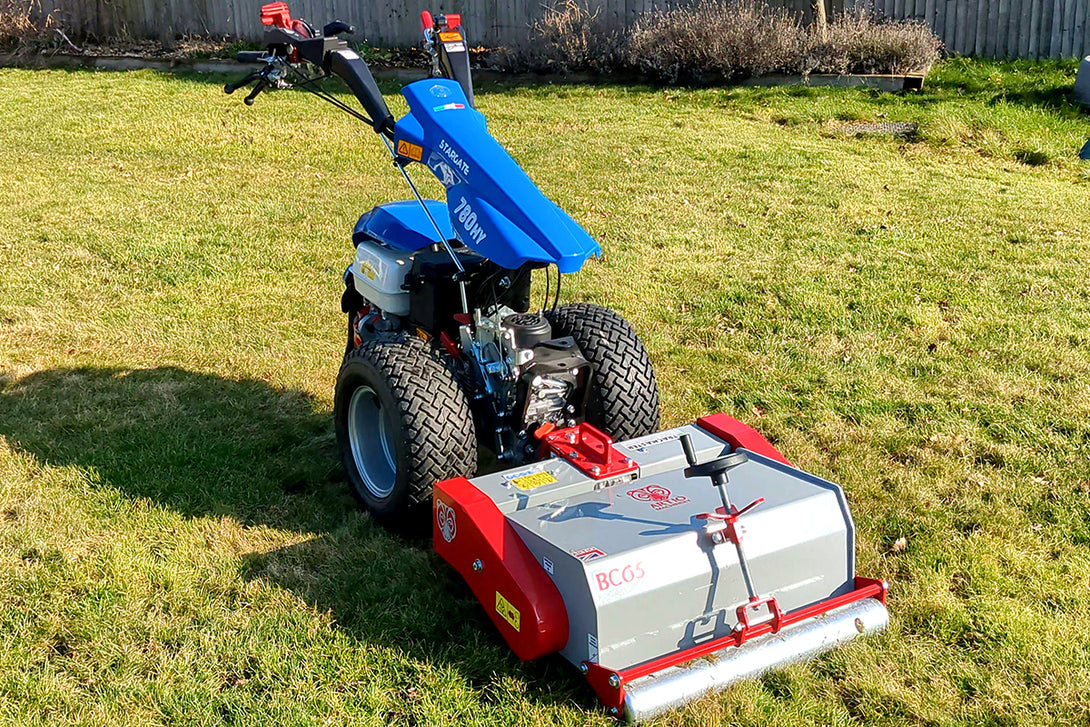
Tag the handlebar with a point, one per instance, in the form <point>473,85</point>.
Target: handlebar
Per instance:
<point>291,41</point>
<point>251,56</point>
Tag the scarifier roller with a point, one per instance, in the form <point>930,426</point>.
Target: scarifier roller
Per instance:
<point>663,567</point>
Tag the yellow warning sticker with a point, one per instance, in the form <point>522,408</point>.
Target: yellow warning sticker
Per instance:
<point>450,36</point>
<point>412,151</point>
<point>368,269</point>
<point>510,614</point>
<point>529,482</point>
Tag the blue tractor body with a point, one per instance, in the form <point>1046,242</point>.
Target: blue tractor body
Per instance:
<point>492,205</point>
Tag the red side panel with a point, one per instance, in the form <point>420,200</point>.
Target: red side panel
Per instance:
<point>473,536</point>
<point>739,434</point>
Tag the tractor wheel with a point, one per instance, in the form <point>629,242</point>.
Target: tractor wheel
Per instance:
<point>402,424</point>
<point>624,397</point>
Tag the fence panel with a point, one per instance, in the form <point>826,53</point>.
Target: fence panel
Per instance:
<point>995,28</point>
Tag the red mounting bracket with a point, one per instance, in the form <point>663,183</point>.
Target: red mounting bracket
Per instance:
<point>745,626</point>
<point>589,449</point>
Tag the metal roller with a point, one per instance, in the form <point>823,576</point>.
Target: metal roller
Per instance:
<point>654,694</point>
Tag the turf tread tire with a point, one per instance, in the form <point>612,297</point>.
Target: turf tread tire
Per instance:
<point>624,398</point>
<point>435,438</point>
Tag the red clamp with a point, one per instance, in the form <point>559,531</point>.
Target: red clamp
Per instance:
<point>744,629</point>
<point>734,535</point>
<point>589,449</point>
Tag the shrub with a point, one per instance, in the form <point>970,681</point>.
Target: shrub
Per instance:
<point>731,39</point>
<point>568,37</point>
<point>15,21</point>
<point>714,40</point>
<point>860,42</point>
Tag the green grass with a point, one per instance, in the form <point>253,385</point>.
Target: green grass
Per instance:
<point>910,319</point>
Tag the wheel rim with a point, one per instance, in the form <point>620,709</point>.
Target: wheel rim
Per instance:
<point>371,437</point>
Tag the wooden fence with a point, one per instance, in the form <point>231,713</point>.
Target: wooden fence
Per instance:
<point>994,28</point>
<point>1002,28</point>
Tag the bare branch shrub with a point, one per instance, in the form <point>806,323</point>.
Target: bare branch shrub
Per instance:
<point>716,40</point>
<point>858,41</point>
<point>732,39</point>
<point>16,21</point>
<point>568,37</point>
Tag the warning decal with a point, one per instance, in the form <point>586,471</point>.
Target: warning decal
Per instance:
<point>412,151</point>
<point>529,482</point>
<point>510,614</point>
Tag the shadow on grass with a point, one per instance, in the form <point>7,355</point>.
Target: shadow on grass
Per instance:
<point>206,446</point>
<point>381,592</point>
<point>195,443</point>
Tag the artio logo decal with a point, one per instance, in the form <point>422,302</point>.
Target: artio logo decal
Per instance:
<point>658,497</point>
<point>619,576</point>
<point>444,518</point>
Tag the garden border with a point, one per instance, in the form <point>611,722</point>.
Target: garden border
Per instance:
<point>892,82</point>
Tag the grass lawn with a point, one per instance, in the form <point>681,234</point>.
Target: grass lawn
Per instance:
<point>910,319</point>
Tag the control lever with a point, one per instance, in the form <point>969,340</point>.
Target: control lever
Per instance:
<point>717,470</point>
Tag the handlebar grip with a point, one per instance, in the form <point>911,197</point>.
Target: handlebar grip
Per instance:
<point>258,88</point>
<point>232,87</point>
<point>426,20</point>
<point>250,56</point>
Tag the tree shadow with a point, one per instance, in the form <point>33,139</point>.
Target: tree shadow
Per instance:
<point>195,443</point>
<point>380,592</point>
<point>205,446</point>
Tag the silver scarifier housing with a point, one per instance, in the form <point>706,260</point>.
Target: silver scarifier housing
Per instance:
<point>643,576</point>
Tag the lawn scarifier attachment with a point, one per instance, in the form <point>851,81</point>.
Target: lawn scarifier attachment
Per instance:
<point>635,563</point>
<point>632,560</point>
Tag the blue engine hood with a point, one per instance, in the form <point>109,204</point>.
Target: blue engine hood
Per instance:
<point>495,209</point>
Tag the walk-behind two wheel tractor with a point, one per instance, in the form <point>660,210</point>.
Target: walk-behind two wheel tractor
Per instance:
<point>663,565</point>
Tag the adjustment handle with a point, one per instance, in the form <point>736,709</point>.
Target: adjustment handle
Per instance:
<point>687,445</point>
<point>717,468</point>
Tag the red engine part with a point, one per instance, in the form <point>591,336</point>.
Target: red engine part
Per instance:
<point>472,535</point>
<point>276,14</point>
<point>589,449</point>
<point>450,21</point>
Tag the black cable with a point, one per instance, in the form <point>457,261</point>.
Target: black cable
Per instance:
<point>546,303</point>
<point>305,85</point>
<point>556,300</point>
